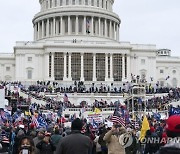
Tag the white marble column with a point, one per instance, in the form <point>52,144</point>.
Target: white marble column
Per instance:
<point>54,26</point>
<point>58,2</point>
<point>118,33</point>
<point>105,29</point>
<point>94,67</point>
<point>35,32</point>
<point>106,67</point>
<point>61,25</point>
<point>38,30</point>
<point>77,25</point>
<point>82,66</point>
<point>100,3</point>
<point>110,29</point>
<point>92,25</point>
<point>47,28</point>
<point>69,25</point>
<point>42,29</point>
<point>128,68</point>
<point>111,67</point>
<point>123,67</point>
<point>84,31</point>
<point>52,66</point>
<point>114,30</point>
<point>65,67</point>
<point>46,66</point>
<point>53,3</point>
<point>69,67</point>
<point>99,20</point>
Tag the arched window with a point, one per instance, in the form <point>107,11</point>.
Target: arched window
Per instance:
<point>73,2</point>
<point>97,3</point>
<point>73,24</point>
<point>55,3</point>
<point>67,2</point>
<point>92,2</point>
<point>29,73</point>
<point>50,3</point>
<point>60,2</point>
<point>86,2</point>
<point>174,82</point>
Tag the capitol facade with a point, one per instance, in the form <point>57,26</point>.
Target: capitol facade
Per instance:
<point>78,40</point>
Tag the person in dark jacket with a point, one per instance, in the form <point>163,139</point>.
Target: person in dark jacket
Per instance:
<point>56,137</point>
<point>46,146</point>
<point>39,138</point>
<point>75,143</point>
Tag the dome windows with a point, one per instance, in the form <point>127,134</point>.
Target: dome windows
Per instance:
<point>164,52</point>
<point>92,2</point>
<point>174,71</point>
<point>49,4</point>
<point>73,2</point>
<point>97,3</point>
<point>86,2</point>
<point>67,2</point>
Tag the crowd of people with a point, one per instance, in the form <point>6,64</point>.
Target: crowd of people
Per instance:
<point>83,138</point>
<point>34,134</point>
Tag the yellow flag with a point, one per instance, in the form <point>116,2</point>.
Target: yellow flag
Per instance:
<point>144,128</point>
<point>97,111</point>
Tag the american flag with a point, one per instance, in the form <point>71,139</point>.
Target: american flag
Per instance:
<point>87,26</point>
<point>35,122</point>
<point>119,120</point>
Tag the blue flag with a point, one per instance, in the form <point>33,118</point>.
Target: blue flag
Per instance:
<point>42,122</point>
<point>157,116</point>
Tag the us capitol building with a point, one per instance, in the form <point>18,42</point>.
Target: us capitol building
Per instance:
<point>79,40</point>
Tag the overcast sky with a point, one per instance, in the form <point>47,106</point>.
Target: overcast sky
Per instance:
<point>142,22</point>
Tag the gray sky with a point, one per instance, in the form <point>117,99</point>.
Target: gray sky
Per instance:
<point>142,22</point>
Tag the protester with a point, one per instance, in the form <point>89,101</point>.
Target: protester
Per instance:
<point>46,146</point>
<point>56,137</point>
<point>26,144</point>
<point>112,140</point>
<point>97,145</point>
<point>132,149</point>
<point>75,143</point>
<point>34,122</point>
<point>39,138</point>
<point>102,132</point>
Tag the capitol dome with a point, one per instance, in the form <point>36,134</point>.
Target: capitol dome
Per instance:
<point>59,19</point>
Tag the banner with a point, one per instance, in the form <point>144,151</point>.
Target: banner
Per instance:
<point>96,117</point>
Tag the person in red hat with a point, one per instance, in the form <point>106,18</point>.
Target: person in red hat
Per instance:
<point>173,133</point>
